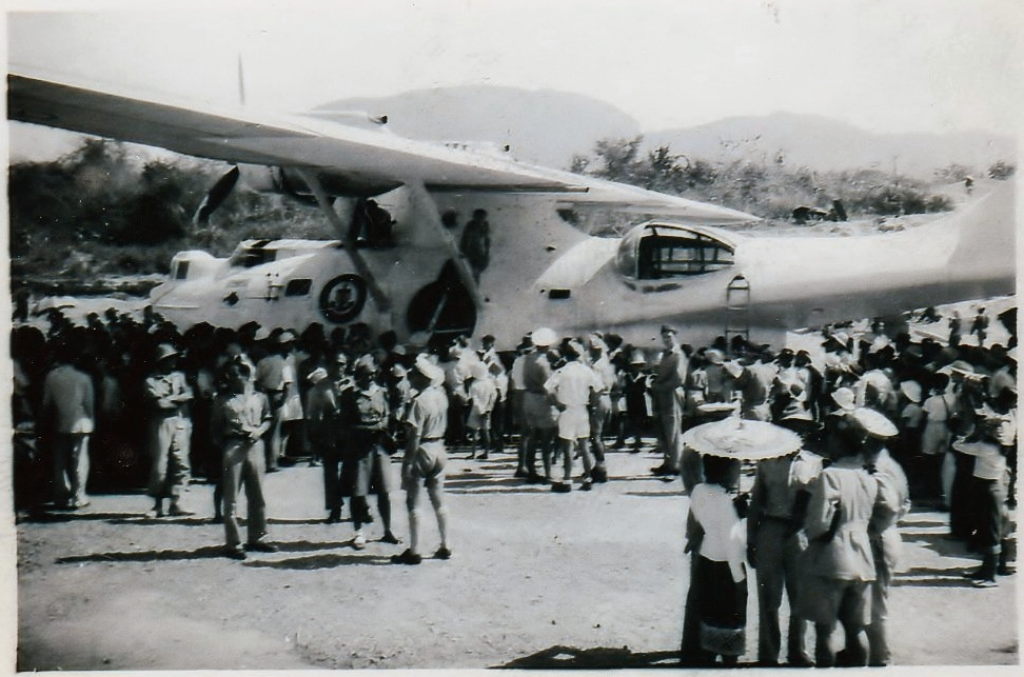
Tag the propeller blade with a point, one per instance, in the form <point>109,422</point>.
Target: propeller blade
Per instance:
<point>217,194</point>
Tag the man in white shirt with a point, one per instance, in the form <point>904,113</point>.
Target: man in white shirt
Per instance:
<point>571,389</point>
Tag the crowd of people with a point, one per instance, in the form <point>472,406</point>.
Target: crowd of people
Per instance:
<point>885,423</point>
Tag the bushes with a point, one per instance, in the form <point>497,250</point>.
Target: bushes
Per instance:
<point>764,188</point>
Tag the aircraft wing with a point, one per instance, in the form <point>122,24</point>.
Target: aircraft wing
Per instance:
<point>240,135</point>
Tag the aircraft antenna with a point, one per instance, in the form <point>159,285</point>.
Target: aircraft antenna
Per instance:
<point>241,81</point>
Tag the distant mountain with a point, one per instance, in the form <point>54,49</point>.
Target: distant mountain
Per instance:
<point>824,144</point>
<point>544,126</point>
<point>548,127</point>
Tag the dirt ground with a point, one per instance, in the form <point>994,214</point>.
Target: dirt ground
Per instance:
<point>539,580</point>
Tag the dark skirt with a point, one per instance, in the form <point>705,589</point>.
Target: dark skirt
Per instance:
<point>716,613</point>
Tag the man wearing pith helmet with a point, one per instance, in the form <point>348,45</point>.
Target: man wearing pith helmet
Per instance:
<point>167,394</point>
<point>423,465</point>
<point>539,415</point>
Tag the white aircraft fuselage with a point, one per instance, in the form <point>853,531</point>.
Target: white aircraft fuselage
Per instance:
<point>705,281</point>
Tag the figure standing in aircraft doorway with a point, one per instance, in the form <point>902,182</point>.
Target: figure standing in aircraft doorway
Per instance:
<point>475,244</point>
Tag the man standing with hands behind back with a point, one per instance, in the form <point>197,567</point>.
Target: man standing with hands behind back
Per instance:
<point>666,387</point>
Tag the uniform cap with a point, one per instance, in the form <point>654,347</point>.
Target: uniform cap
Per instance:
<point>425,366</point>
<point>715,356</point>
<point>317,375</point>
<point>544,337</point>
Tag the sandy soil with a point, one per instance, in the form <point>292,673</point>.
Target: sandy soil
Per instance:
<point>539,580</point>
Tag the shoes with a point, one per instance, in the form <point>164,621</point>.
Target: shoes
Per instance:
<point>985,583</point>
<point>359,542</point>
<point>586,485</point>
<point>334,516</point>
<point>443,553</point>
<point>561,487</point>
<point>483,456</point>
<point>799,662</point>
<point>261,546</point>
<point>177,511</point>
<point>1006,571</point>
<point>661,470</point>
<point>217,519</point>
<point>314,463</point>
<point>78,505</point>
<point>974,575</point>
<point>154,513</point>
<point>471,456</point>
<point>391,538</point>
<point>599,475</point>
<point>407,557</point>
<point>534,478</point>
<point>235,552</point>
<point>521,473</point>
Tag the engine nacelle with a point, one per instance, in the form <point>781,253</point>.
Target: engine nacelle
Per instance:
<point>288,181</point>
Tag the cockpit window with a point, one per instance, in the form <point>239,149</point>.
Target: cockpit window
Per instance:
<point>256,255</point>
<point>661,251</point>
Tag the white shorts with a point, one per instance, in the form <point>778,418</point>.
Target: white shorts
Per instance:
<point>574,423</point>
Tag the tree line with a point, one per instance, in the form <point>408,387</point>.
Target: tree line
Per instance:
<point>121,214</point>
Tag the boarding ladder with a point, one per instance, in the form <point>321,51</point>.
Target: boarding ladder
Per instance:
<point>737,307</point>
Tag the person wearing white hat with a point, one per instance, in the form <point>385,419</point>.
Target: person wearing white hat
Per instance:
<point>838,563</point>
<point>424,462</point>
<point>539,415</point>
<point>571,388</point>
<point>322,408</point>
<point>891,506</point>
<point>167,395</point>
<point>483,394</point>
<point>276,378</point>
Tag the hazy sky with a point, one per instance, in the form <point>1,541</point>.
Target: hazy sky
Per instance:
<point>883,65</point>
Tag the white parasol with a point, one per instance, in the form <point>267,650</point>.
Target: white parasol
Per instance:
<point>743,440</point>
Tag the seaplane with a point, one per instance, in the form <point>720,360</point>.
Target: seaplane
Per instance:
<point>400,207</point>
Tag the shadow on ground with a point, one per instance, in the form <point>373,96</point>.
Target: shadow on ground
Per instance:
<point>602,658</point>
<point>933,578</point>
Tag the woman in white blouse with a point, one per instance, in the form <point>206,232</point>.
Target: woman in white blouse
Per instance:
<point>716,605</point>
